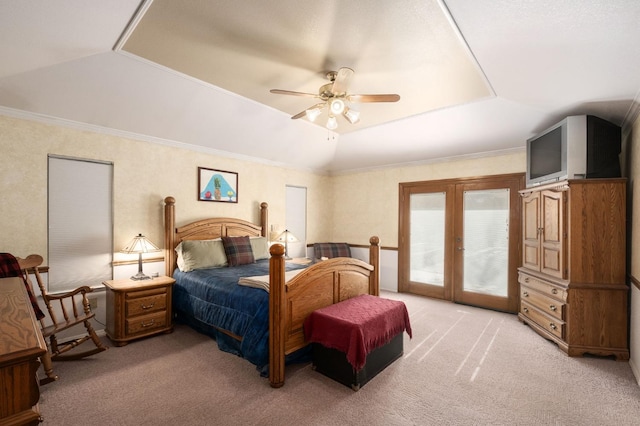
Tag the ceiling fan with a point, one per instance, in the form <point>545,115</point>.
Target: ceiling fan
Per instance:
<point>335,98</point>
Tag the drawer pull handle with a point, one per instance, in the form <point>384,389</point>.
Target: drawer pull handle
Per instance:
<point>526,280</point>
<point>554,291</point>
<point>553,326</point>
<point>149,324</point>
<point>148,306</point>
<point>552,307</point>
<point>525,294</point>
<point>525,310</point>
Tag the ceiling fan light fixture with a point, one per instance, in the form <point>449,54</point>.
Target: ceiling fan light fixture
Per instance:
<point>352,115</point>
<point>337,106</point>
<point>332,123</point>
<point>313,113</point>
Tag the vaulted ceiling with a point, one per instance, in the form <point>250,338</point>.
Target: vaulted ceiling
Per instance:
<point>474,76</point>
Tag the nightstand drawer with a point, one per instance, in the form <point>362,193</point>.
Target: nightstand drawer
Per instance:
<point>146,324</point>
<point>145,305</point>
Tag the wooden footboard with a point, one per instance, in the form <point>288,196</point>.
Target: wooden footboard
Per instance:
<point>320,285</point>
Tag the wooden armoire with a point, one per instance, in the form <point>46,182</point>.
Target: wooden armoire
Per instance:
<point>572,280</point>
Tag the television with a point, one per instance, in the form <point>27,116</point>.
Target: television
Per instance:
<point>578,147</point>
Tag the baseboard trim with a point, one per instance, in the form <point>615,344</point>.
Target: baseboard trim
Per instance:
<point>635,371</point>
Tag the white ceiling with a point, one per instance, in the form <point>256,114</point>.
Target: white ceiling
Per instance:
<point>474,76</point>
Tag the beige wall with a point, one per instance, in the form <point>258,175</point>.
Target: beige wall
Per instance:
<point>367,203</point>
<point>144,174</point>
<point>633,172</point>
<point>349,207</point>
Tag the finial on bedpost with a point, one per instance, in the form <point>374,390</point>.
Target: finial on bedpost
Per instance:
<point>264,219</point>
<point>374,260</point>
<point>276,315</point>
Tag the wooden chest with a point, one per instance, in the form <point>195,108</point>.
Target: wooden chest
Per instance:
<point>333,363</point>
<point>354,340</point>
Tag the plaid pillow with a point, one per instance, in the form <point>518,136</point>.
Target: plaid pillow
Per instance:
<point>238,250</point>
<point>330,250</point>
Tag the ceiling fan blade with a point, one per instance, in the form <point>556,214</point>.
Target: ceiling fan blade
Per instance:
<point>374,98</point>
<point>289,92</point>
<point>342,81</point>
<point>303,113</point>
<point>299,115</point>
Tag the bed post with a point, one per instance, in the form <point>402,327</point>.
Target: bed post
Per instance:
<point>169,235</point>
<point>277,315</point>
<point>374,260</point>
<point>264,218</point>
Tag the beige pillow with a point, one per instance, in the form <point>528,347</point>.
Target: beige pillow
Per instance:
<point>260,247</point>
<point>200,254</point>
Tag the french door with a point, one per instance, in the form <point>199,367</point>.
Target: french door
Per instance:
<point>459,240</point>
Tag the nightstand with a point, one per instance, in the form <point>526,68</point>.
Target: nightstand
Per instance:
<point>137,309</point>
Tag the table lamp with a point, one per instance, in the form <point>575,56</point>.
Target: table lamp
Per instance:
<point>139,245</point>
<point>287,237</point>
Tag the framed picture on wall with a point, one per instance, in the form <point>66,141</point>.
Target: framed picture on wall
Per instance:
<point>217,185</point>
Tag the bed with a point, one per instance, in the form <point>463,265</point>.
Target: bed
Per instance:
<point>270,328</point>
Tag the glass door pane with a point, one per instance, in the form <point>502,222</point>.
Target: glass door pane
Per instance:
<point>427,233</point>
<point>486,241</point>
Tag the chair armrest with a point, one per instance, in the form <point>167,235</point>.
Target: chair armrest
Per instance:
<point>84,290</point>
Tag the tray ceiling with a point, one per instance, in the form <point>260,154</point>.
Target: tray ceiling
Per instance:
<point>475,77</point>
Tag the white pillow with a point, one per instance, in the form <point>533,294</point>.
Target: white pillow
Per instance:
<point>200,254</point>
<point>260,247</point>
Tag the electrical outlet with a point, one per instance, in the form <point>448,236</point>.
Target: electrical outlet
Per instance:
<point>93,302</point>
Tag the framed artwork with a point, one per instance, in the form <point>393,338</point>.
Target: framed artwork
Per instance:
<point>217,185</point>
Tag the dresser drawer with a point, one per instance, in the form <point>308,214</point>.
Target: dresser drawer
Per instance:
<point>542,286</point>
<point>551,306</point>
<point>146,324</point>
<point>552,325</point>
<point>141,303</point>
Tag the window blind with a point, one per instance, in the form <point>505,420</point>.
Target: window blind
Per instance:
<point>80,225</point>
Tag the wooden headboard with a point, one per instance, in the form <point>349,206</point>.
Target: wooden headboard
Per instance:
<point>206,229</point>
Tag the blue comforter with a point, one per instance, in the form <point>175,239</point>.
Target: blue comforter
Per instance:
<point>211,300</point>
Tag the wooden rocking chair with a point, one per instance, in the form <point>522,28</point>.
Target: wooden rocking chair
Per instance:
<point>67,304</point>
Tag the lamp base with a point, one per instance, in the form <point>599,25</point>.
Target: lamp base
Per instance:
<point>140,276</point>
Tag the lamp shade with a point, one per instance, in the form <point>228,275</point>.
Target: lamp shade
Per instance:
<point>287,237</point>
<point>139,244</point>
<point>336,106</point>
<point>313,113</point>
<point>352,115</point>
<point>332,123</point>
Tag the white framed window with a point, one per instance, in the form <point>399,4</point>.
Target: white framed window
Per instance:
<point>80,228</point>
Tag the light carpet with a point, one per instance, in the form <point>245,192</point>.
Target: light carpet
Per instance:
<point>464,366</point>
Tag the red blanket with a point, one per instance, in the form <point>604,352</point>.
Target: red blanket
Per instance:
<point>357,326</point>
<point>9,267</point>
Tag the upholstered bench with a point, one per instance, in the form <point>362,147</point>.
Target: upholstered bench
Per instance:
<point>354,340</point>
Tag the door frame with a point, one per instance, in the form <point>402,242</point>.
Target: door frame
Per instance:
<point>452,223</point>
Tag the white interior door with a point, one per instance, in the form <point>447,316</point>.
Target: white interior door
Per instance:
<point>296,217</point>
